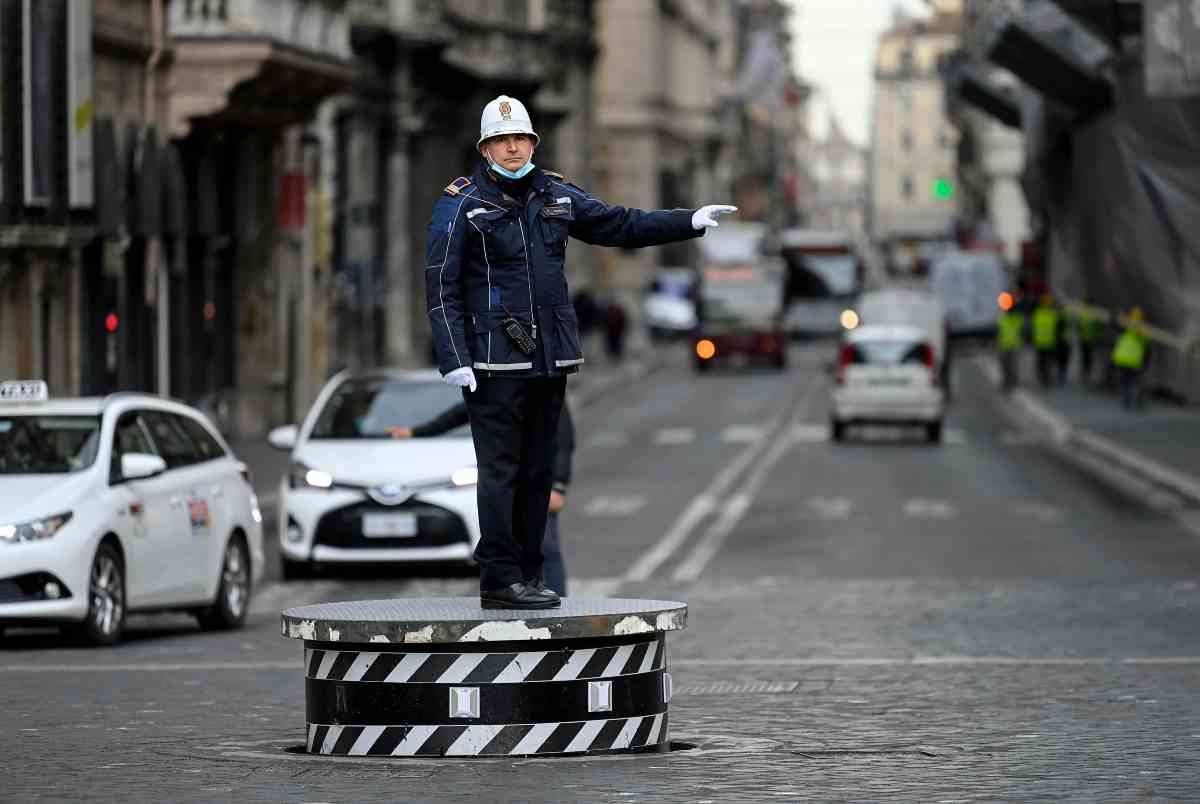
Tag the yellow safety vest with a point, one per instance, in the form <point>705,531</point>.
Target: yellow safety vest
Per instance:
<point>1009,331</point>
<point>1087,329</point>
<point>1045,328</point>
<point>1130,350</point>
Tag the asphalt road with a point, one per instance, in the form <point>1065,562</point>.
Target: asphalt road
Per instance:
<point>882,619</point>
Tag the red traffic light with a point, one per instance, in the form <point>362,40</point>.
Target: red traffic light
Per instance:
<point>111,322</point>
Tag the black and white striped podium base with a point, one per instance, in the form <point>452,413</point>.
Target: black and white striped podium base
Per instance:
<point>444,677</point>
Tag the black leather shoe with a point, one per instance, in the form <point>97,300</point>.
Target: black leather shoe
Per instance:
<point>538,585</point>
<point>517,596</point>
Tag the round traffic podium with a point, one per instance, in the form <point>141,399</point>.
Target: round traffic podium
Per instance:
<point>445,677</point>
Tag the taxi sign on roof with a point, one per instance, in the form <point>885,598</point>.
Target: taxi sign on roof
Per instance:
<point>24,391</point>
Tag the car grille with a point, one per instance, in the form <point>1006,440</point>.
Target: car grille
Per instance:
<point>436,527</point>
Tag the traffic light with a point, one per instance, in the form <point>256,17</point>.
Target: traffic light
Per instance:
<point>943,189</point>
<point>111,322</point>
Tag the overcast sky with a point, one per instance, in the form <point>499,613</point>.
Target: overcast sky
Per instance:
<point>834,47</point>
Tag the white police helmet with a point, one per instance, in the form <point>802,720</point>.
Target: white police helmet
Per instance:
<point>505,115</point>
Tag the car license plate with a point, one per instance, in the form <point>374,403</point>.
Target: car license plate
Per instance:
<point>890,382</point>
<point>384,526</point>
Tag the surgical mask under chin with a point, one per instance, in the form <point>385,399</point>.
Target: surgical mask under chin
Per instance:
<point>512,174</point>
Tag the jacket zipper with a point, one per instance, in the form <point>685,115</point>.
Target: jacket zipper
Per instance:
<point>528,271</point>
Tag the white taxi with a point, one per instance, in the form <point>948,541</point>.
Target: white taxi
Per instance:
<point>120,504</point>
<point>887,375</point>
<point>357,494</point>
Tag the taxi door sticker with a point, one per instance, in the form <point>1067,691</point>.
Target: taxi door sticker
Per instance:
<point>198,513</point>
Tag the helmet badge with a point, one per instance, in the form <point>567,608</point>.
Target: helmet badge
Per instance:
<point>506,110</point>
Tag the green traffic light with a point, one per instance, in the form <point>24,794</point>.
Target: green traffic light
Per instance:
<point>943,189</point>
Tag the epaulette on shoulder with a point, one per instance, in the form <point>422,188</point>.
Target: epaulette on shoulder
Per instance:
<point>458,185</point>
<point>556,175</point>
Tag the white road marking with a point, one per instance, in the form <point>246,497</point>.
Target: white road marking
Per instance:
<point>616,506</point>
<point>741,434</point>
<point>674,436</point>
<point>810,433</point>
<point>826,508</point>
<point>595,587</point>
<point>736,506</point>
<point>910,661</point>
<point>1038,510</point>
<point>928,509</point>
<point>608,440</point>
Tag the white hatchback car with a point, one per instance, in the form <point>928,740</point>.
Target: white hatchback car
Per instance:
<point>356,494</point>
<point>129,502</point>
<point>889,375</point>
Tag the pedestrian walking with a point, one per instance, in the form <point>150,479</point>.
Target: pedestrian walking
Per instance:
<point>1045,339</point>
<point>616,322</point>
<point>1010,339</point>
<point>1129,357</point>
<point>554,566</point>
<point>1087,333</point>
<point>506,333</point>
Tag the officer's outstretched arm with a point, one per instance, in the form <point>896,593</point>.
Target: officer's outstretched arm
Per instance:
<point>443,286</point>
<point>608,225</point>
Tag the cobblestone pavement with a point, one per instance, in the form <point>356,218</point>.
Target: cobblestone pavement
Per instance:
<point>885,621</point>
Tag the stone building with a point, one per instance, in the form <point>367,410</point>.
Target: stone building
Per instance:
<point>837,181</point>
<point>913,143</point>
<point>152,226</point>
<point>665,106</point>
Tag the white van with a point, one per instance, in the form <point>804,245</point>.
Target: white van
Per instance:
<point>969,285</point>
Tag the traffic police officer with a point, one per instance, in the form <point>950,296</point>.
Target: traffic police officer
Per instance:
<point>504,329</point>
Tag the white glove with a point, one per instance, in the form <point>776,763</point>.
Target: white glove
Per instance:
<point>461,378</point>
<point>707,216</point>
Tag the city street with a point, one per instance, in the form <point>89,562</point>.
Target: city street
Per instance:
<point>882,619</point>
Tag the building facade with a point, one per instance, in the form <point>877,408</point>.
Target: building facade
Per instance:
<point>152,230</point>
<point>665,84</point>
<point>837,181</point>
<point>913,143</point>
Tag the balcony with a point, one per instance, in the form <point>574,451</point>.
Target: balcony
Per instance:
<point>255,62</point>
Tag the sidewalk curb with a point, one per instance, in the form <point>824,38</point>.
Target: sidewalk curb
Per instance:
<point>1077,439</point>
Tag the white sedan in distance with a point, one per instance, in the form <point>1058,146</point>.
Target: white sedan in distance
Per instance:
<point>358,494</point>
<point>120,504</point>
<point>887,375</point>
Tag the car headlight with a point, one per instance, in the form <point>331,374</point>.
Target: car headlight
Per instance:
<point>34,530</point>
<point>467,476</point>
<point>304,477</point>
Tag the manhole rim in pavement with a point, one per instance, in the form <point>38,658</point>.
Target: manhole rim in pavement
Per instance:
<point>684,744</point>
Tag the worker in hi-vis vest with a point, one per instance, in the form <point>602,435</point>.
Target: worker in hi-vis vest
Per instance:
<point>1045,339</point>
<point>1129,356</point>
<point>1010,338</point>
<point>1087,333</point>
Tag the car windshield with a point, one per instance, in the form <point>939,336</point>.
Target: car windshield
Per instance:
<point>33,445</point>
<point>368,406</point>
<point>885,353</point>
<point>838,273</point>
<point>740,292</point>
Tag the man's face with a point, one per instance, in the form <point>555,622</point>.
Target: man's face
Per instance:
<point>509,151</point>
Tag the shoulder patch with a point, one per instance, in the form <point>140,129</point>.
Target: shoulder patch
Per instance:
<point>458,185</point>
<point>555,174</point>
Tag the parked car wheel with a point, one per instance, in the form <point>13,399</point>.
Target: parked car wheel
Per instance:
<point>837,430</point>
<point>933,432</point>
<point>105,622</point>
<point>232,602</point>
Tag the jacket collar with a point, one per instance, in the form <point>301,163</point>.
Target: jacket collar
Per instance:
<point>489,189</point>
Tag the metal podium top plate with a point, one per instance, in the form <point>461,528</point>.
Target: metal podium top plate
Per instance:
<point>461,619</point>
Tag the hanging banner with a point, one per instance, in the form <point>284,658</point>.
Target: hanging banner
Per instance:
<point>81,186</point>
<point>37,84</point>
<point>1171,33</point>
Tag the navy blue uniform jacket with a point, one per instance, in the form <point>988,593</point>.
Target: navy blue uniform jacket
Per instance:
<point>488,253</point>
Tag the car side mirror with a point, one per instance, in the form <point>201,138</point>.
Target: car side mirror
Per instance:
<point>283,438</point>
<point>139,465</point>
